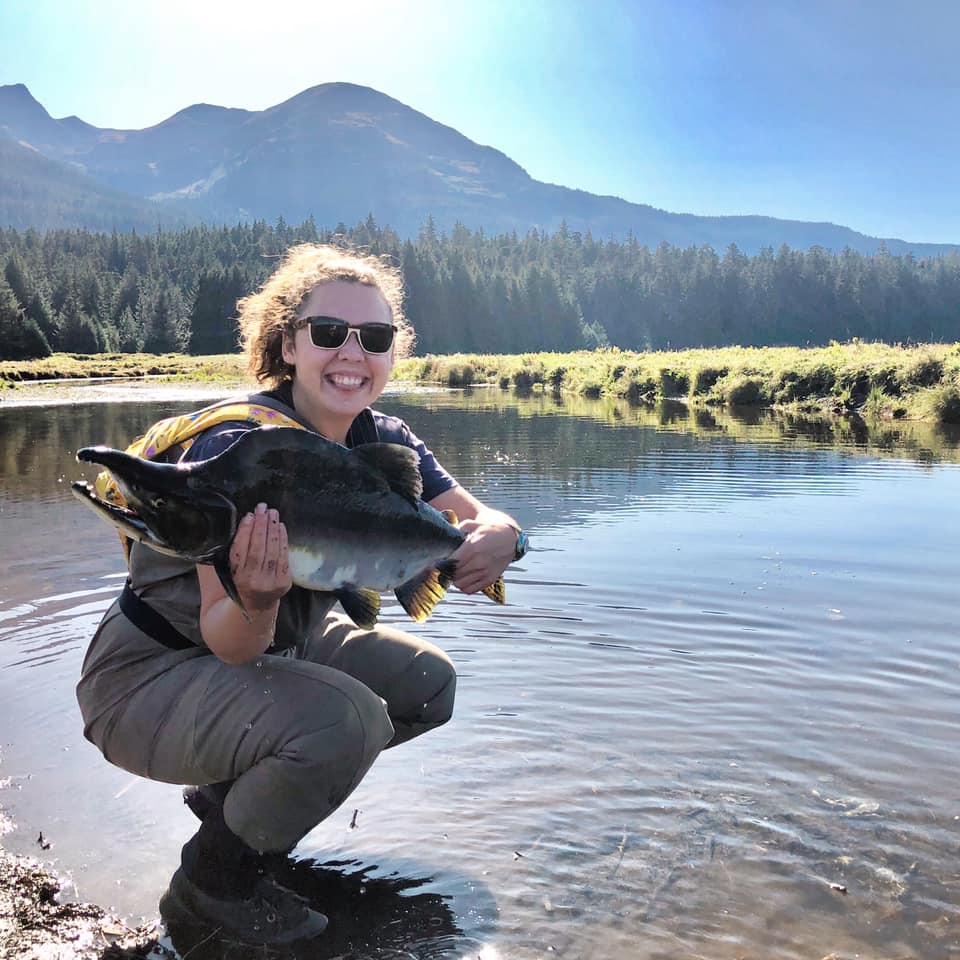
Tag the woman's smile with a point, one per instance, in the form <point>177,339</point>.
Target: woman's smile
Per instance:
<point>345,381</point>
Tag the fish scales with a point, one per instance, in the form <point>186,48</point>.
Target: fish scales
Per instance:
<point>355,520</point>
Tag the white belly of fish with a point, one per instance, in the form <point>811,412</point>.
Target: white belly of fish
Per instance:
<point>329,570</point>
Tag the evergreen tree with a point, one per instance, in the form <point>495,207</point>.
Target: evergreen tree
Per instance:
<point>78,332</point>
<point>17,280</point>
<point>130,333</point>
<point>20,337</point>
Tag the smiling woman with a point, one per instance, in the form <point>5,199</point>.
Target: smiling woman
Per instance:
<point>277,710</point>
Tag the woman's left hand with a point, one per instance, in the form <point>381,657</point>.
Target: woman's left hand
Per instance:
<point>488,550</point>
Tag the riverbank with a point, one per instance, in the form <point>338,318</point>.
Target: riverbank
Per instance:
<point>872,380</point>
<point>35,925</point>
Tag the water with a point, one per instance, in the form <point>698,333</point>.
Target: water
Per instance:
<point>718,718</point>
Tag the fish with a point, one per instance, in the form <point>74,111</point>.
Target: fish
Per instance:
<point>356,524</point>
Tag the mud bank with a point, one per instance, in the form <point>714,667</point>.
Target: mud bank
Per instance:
<point>35,925</point>
<point>66,392</point>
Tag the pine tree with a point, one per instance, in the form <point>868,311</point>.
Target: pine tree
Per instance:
<point>20,337</point>
<point>78,332</point>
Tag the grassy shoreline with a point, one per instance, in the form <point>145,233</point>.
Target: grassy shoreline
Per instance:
<point>866,379</point>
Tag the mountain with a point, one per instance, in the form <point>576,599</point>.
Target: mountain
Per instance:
<point>337,152</point>
<point>36,191</point>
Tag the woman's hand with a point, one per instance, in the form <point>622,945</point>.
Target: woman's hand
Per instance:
<point>488,550</point>
<point>259,560</point>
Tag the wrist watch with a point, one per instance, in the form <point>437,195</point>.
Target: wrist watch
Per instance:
<point>523,543</point>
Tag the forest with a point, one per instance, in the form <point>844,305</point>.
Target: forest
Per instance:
<point>83,292</point>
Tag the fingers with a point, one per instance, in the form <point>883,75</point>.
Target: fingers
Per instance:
<point>260,544</point>
<point>483,556</point>
<point>474,571</point>
<point>283,556</point>
<point>241,544</point>
<point>256,554</point>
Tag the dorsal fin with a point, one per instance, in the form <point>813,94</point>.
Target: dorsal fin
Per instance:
<point>399,466</point>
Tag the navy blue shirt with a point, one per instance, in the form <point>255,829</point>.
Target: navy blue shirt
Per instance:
<point>371,426</point>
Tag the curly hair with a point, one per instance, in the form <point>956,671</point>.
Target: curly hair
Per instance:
<point>272,311</point>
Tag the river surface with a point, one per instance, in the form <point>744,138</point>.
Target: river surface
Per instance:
<point>717,719</point>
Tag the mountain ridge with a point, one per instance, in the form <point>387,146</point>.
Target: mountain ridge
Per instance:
<point>337,152</point>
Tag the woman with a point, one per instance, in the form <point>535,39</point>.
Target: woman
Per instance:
<point>295,703</point>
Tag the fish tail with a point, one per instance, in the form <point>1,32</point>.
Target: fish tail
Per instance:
<point>497,591</point>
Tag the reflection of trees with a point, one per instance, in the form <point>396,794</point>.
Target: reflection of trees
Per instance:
<point>38,445</point>
<point>492,434</point>
<point>905,439</point>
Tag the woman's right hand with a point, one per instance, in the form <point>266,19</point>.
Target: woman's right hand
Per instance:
<point>259,560</point>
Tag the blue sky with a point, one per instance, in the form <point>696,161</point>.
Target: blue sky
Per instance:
<point>839,111</point>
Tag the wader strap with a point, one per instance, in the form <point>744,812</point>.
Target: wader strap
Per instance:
<point>153,624</point>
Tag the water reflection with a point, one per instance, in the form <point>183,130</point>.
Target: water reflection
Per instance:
<point>370,914</point>
<point>548,433</point>
<point>725,688</point>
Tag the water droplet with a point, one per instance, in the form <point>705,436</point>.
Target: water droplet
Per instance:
<point>259,663</point>
<point>267,676</point>
<point>267,690</point>
<point>249,726</point>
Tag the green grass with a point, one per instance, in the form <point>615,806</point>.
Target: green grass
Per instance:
<point>870,380</point>
<point>70,366</point>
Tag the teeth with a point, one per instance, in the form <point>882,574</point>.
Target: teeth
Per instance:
<point>342,380</point>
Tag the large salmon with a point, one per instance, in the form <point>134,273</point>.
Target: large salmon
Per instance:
<point>355,522</point>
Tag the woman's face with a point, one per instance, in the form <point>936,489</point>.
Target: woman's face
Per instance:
<point>341,382</point>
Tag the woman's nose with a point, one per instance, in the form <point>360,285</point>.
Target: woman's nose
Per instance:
<point>351,346</point>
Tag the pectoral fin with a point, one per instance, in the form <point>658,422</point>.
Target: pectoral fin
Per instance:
<point>221,563</point>
<point>362,606</point>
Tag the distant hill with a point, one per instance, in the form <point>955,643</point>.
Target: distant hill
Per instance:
<point>337,152</point>
<point>36,191</point>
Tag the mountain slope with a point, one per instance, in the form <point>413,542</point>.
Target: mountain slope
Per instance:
<point>340,151</point>
<point>38,192</point>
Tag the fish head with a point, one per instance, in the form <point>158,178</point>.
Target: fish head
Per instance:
<point>168,507</point>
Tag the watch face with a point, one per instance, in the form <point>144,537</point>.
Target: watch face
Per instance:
<point>522,544</point>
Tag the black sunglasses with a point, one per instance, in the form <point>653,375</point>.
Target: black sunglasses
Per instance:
<point>331,333</point>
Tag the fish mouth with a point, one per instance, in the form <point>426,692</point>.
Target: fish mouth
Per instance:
<point>124,519</point>
<point>167,508</point>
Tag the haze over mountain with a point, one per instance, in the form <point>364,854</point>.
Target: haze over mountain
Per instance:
<point>337,152</point>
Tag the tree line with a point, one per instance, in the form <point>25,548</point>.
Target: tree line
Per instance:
<point>83,292</point>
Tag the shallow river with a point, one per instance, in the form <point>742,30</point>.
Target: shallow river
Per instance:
<point>719,717</point>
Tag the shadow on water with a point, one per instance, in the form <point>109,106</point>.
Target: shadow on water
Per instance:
<point>371,916</point>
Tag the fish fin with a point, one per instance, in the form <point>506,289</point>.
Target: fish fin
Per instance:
<point>497,591</point>
<point>399,466</point>
<point>221,563</point>
<point>447,572</point>
<point>451,517</point>
<point>420,594</point>
<point>362,606</point>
